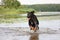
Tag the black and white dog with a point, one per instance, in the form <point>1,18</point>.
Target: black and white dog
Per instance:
<point>32,21</point>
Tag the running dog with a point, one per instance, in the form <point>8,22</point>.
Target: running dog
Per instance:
<point>32,21</point>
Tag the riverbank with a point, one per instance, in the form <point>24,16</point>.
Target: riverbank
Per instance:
<point>11,18</point>
<point>24,19</point>
<point>13,12</point>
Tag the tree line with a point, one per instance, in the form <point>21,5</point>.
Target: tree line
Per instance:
<point>45,7</point>
<point>11,3</point>
<point>37,7</point>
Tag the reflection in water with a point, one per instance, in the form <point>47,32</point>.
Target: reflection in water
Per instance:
<point>34,37</point>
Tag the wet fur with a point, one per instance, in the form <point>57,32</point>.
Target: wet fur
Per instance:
<point>33,20</point>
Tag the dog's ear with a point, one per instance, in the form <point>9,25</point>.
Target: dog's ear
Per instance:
<point>32,11</point>
<point>27,12</point>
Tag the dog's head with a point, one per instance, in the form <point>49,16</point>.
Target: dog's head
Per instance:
<point>30,14</point>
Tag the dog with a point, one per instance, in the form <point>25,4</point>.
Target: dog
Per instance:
<point>32,21</point>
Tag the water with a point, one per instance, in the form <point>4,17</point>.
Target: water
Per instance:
<point>23,22</point>
<point>42,23</point>
<point>43,13</point>
<point>32,37</point>
<point>19,30</point>
<point>13,34</point>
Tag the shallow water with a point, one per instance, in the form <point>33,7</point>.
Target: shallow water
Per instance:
<point>13,34</point>
<point>42,23</point>
<point>32,37</point>
<point>19,30</point>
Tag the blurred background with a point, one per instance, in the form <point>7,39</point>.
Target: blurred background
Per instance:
<point>14,23</point>
<point>13,12</point>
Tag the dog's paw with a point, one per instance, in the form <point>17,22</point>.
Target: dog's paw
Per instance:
<point>32,31</point>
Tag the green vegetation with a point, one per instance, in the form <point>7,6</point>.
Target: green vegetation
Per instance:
<point>45,7</point>
<point>13,8</point>
<point>13,12</point>
<point>11,3</point>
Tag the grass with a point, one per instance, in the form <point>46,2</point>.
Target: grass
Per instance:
<point>8,15</point>
<point>12,12</point>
